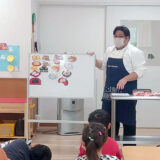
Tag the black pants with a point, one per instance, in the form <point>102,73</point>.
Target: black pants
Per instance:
<point>128,130</point>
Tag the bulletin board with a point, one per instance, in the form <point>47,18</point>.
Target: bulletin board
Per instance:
<point>62,76</point>
<point>11,50</point>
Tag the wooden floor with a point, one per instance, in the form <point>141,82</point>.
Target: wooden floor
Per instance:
<point>63,147</point>
<point>67,147</point>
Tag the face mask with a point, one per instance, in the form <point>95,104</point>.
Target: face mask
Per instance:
<point>119,42</point>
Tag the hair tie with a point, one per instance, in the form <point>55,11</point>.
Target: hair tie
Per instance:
<point>100,133</point>
<point>91,139</point>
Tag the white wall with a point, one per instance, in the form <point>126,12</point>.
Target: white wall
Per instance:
<point>73,30</point>
<point>15,29</point>
<point>145,110</point>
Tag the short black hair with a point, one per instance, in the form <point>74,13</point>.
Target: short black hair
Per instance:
<point>99,116</point>
<point>124,29</point>
<point>40,152</point>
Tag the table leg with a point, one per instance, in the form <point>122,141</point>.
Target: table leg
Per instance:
<point>113,118</point>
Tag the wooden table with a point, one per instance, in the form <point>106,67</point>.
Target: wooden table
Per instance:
<point>141,153</point>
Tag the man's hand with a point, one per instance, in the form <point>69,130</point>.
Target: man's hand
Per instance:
<point>91,53</point>
<point>121,84</point>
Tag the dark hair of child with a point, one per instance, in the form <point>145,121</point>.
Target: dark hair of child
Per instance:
<point>99,116</point>
<point>41,152</point>
<point>94,136</point>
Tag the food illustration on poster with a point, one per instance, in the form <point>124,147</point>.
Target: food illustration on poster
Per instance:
<point>52,65</point>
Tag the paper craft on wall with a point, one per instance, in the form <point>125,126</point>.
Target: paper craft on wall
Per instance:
<point>9,58</point>
<point>66,76</point>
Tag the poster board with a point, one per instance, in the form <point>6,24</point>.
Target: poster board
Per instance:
<point>62,76</point>
<point>6,61</point>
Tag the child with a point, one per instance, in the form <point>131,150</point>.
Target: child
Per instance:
<point>93,138</point>
<point>110,147</point>
<point>19,150</point>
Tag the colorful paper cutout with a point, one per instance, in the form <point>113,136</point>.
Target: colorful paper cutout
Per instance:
<point>34,68</point>
<point>72,58</point>
<point>36,63</point>
<point>66,73</point>
<point>46,58</point>
<point>43,69</point>
<point>56,61</point>
<point>68,66</point>
<point>45,64</point>
<point>10,68</point>
<point>35,81</point>
<point>53,76</point>
<point>3,46</point>
<point>63,80</point>
<point>35,73</point>
<point>58,57</point>
<point>56,67</point>
<point>10,58</point>
<point>36,58</point>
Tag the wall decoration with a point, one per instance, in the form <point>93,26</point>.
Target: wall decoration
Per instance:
<point>63,80</point>
<point>150,56</point>
<point>9,58</point>
<point>35,81</point>
<point>66,73</point>
<point>3,46</point>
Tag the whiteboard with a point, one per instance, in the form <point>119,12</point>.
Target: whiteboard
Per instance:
<point>62,76</point>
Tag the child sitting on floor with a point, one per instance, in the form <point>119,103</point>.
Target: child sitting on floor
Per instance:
<point>19,150</point>
<point>93,138</point>
<point>110,147</point>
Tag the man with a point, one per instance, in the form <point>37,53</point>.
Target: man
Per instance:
<point>124,64</point>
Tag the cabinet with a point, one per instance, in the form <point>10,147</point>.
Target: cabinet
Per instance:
<point>13,93</point>
<point>19,106</point>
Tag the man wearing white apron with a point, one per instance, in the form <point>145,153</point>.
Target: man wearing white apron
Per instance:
<point>124,64</point>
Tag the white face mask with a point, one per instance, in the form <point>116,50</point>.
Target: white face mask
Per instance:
<point>119,42</point>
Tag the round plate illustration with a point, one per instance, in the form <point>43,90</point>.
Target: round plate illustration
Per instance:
<point>72,58</point>
<point>53,76</point>
<point>58,57</point>
<point>68,66</point>
<point>63,80</point>
<point>56,67</point>
<point>66,73</point>
<point>36,63</point>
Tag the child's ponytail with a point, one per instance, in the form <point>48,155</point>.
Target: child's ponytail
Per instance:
<point>94,136</point>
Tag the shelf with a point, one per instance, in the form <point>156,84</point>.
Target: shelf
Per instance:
<point>13,137</point>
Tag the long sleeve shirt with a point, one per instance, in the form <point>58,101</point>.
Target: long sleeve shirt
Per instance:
<point>133,58</point>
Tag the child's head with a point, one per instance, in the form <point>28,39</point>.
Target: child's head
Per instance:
<point>94,136</point>
<point>100,116</point>
<point>41,152</point>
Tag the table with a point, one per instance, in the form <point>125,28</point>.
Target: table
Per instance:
<point>141,153</point>
<point>120,96</point>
